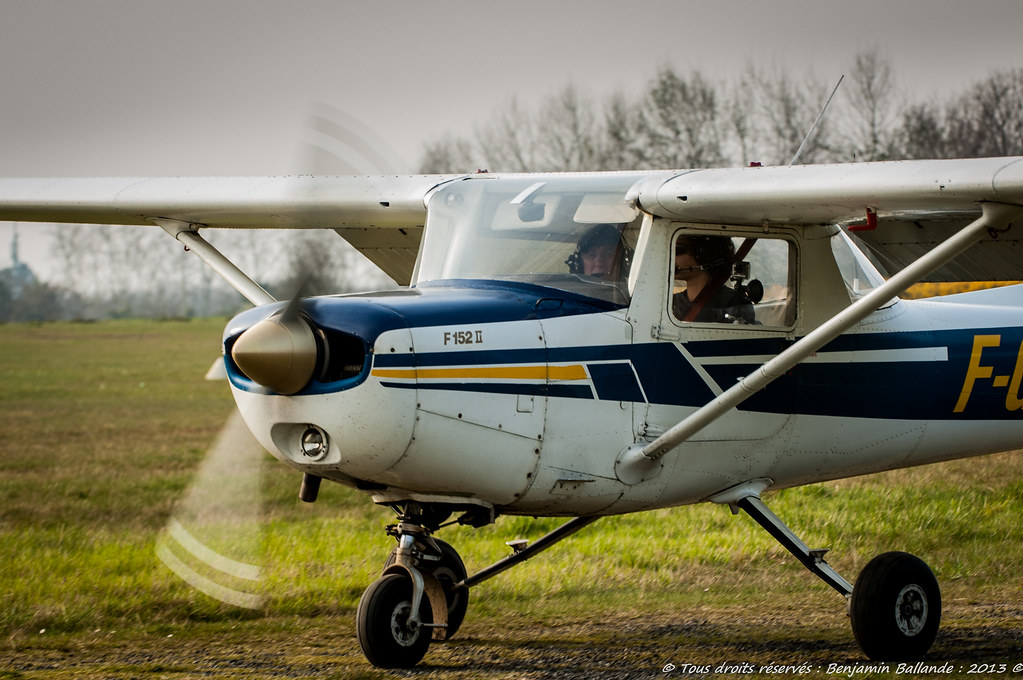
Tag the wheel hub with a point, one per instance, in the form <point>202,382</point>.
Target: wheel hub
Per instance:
<point>400,630</point>
<point>911,610</point>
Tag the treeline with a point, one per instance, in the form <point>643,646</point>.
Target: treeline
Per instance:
<point>35,301</point>
<point>136,272</point>
<point>679,120</point>
<point>684,120</point>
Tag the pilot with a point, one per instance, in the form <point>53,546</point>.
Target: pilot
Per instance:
<point>601,253</point>
<point>704,263</point>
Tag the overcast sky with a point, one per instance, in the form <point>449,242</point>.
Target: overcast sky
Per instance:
<point>224,87</point>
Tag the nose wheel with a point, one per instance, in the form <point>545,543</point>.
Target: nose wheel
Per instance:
<point>446,566</point>
<point>421,596</point>
<point>390,636</point>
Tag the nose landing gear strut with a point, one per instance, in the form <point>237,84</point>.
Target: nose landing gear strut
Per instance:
<point>420,595</point>
<point>423,593</point>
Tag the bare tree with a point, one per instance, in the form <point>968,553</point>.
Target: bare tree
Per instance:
<point>870,133</point>
<point>617,146</point>
<point>988,119</point>
<point>507,140</point>
<point>318,262</point>
<point>129,271</point>
<point>739,110</point>
<point>449,154</point>
<point>790,110</point>
<point>921,134</point>
<point>567,132</point>
<point>685,121</point>
<point>679,124</point>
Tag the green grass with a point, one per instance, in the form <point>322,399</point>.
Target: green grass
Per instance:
<point>103,428</point>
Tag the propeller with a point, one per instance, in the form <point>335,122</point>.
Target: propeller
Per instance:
<point>213,539</point>
<point>281,353</point>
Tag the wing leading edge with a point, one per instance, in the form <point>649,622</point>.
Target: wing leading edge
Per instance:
<point>381,216</point>
<point>303,202</point>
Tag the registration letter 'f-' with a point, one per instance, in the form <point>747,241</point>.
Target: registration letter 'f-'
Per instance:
<point>975,370</point>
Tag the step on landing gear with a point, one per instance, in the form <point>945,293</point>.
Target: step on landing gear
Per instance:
<point>895,606</point>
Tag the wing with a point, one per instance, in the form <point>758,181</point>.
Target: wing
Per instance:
<point>381,216</point>
<point>913,206</point>
<point>903,240</point>
<point>393,250</point>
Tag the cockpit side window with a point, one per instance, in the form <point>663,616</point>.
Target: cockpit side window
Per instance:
<point>859,274</point>
<point>732,280</point>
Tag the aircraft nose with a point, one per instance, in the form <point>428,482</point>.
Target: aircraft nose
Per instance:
<point>279,353</point>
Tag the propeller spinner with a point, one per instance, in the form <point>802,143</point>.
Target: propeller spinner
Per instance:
<point>279,353</point>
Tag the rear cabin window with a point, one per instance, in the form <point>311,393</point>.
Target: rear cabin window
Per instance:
<point>732,280</point>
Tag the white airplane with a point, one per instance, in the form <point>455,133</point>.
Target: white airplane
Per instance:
<point>589,344</point>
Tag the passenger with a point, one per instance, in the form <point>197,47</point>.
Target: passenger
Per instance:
<point>705,264</point>
<point>601,253</point>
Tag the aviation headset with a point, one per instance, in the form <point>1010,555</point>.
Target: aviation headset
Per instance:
<point>712,253</point>
<point>600,235</point>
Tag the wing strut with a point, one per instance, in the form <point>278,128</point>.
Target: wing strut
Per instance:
<point>640,461</point>
<point>188,234</point>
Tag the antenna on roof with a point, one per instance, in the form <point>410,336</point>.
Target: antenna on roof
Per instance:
<point>813,127</point>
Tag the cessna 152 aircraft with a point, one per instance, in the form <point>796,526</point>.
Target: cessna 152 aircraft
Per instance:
<point>582,345</point>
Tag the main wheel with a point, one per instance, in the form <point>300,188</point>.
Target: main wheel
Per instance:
<point>449,571</point>
<point>895,608</point>
<point>383,628</point>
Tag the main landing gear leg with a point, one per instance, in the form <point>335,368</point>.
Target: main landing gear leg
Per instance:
<point>811,559</point>
<point>895,606</point>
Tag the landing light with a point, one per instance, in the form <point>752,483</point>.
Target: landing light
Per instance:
<point>314,443</point>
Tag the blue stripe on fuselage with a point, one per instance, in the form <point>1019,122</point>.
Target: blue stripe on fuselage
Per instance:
<point>531,389</point>
<point>847,385</point>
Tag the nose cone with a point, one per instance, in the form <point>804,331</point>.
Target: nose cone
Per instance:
<point>278,354</point>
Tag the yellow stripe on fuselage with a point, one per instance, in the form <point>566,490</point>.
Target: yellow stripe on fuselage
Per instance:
<point>574,372</point>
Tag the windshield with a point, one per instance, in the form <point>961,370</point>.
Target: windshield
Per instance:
<point>573,233</point>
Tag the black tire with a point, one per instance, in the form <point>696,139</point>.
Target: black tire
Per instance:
<point>449,571</point>
<point>895,608</point>
<point>381,624</point>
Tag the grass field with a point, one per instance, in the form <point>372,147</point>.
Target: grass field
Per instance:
<point>103,429</point>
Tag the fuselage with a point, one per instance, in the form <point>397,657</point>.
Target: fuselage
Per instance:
<point>503,378</point>
<point>498,394</point>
